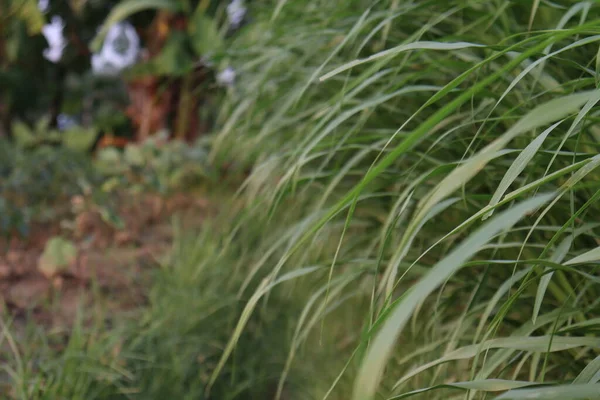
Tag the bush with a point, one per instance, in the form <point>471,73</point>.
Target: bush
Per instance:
<point>38,181</point>
<point>37,184</point>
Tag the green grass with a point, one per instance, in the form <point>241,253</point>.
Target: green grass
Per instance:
<point>420,220</point>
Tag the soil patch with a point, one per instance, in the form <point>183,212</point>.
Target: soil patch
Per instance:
<point>111,266</point>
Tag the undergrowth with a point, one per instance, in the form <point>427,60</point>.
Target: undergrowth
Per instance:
<point>37,183</point>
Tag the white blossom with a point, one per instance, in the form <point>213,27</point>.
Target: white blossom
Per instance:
<point>53,32</point>
<point>226,77</point>
<point>122,45</point>
<point>120,50</point>
<point>43,5</point>
<point>236,11</point>
<point>101,67</point>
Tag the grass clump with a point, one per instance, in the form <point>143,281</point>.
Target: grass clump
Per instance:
<point>408,129</point>
<point>166,350</point>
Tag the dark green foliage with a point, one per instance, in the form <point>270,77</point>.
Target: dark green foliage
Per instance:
<point>39,179</point>
<point>38,183</point>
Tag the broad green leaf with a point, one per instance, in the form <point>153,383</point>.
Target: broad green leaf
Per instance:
<point>22,134</point>
<point>79,138</point>
<point>134,155</point>
<point>58,256</point>
<point>28,11</point>
<point>371,370</point>
<point>113,219</point>
<point>204,34</point>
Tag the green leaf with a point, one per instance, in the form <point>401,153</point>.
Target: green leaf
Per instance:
<point>134,155</point>
<point>371,370</point>
<point>204,34</point>
<point>42,126</point>
<point>110,161</point>
<point>563,392</point>
<point>58,255</point>
<point>109,155</point>
<point>540,344</point>
<point>28,11</point>
<point>546,113</point>
<point>399,49</point>
<point>22,134</point>
<point>587,257</point>
<point>558,256</point>
<point>109,216</point>
<point>80,139</point>
<point>484,385</point>
<point>518,166</point>
<point>174,59</point>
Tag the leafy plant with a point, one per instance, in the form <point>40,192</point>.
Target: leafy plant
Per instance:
<point>42,170</point>
<point>164,167</point>
<point>76,138</point>
<point>59,254</point>
<point>36,183</point>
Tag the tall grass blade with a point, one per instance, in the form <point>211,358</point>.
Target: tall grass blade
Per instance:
<point>399,49</point>
<point>371,370</point>
<point>565,392</point>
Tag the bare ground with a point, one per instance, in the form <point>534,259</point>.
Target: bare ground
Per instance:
<point>111,266</point>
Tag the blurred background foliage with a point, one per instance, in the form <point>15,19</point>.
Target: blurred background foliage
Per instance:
<point>145,65</point>
<point>104,76</point>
